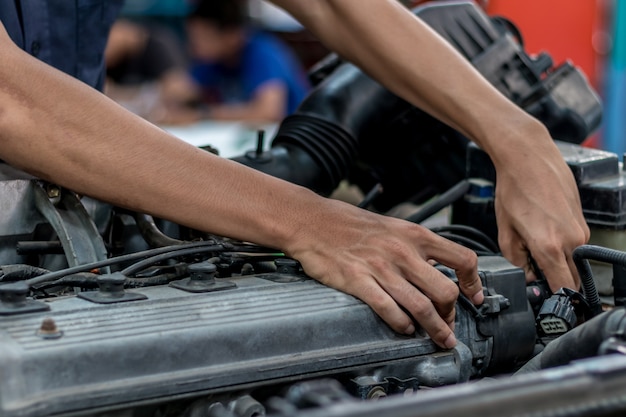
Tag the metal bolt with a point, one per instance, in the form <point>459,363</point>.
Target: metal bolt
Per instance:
<point>246,406</point>
<point>53,191</point>
<point>247,269</point>
<point>49,329</point>
<point>376,393</point>
<point>48,326</point>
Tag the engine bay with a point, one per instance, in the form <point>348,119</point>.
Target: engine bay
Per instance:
<point>108,312</point>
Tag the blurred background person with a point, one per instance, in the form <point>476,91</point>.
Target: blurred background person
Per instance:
<point>145,68</point>
<point>238,72</point>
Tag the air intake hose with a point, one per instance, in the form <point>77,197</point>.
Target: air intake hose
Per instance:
<point>316,146</point>
<point>583,341</point>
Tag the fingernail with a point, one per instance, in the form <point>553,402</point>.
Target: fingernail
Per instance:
<point>478,298</point>
<point>410,330</point>
<point>450,341</point>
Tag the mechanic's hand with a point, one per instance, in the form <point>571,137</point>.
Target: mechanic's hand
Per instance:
<point>385,262</point>
<point>539,212</point>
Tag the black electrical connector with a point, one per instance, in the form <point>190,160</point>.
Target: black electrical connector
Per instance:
<point>557,315</point>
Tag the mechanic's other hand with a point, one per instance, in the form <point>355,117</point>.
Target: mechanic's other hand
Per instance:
<point>539,212</point>
<point>384,262</point>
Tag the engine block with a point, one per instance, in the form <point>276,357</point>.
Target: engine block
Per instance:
<point>266,330</point>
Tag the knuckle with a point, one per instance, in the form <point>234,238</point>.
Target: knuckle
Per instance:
<point>551,248</point>
<point>414,229</point>
<point>377,299</point>
<point>423,310</point>
<point>398,248</point>
<point>378,263</point>
<point>353,270</point>
<point>586,234</point>
<point>468,258</point>
<point>448,293</point>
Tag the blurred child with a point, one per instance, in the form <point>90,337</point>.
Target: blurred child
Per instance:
<point>242,73</point>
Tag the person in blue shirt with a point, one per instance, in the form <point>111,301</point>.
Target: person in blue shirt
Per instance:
<point>242,73</point>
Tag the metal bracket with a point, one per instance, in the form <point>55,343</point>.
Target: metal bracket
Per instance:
<point>76,230</point>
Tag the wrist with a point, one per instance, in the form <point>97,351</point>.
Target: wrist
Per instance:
<point>316,223</point>
<point>512,143</point>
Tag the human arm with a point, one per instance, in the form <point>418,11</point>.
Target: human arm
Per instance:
<point>62,130</point>
<point>537,203</point>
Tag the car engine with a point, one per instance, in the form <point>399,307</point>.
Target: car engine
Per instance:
<point>108,312</point>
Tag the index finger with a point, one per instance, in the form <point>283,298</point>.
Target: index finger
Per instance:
<point>558,269</point>
<point>465,264</point>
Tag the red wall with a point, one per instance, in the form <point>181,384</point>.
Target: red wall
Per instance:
<point>566,29</point>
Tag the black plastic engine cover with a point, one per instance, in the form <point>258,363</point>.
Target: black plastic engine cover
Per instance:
<point>559,96</point>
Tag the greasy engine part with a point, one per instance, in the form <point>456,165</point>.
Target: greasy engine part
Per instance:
<point>49,225</point>
<point>599,335</point>
<point>82,357</point>
<point>351,126</point>
<point>600,178</point>
<point>590,387</point>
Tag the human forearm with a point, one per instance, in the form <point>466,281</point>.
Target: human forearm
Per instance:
<point>59,129</point>
<point>66,132</point>
<point>537,203</point>
<point>413,61</point>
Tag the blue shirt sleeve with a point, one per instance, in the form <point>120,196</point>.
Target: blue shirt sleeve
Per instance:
<point>69,35</point>
<point>264,59</point>
<point>268,60</point>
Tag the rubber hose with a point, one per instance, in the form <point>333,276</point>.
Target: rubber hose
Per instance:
<point>596,253</point>
<point>20,272</point>
<point>438,203</point>
<point>151,233</point>
<point>582,342</point>
<point>323,135</point>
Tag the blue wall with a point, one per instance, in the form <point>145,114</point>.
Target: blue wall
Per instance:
<point>615,94</point>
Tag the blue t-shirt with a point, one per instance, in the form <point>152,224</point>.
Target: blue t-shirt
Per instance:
<point>70,35</point>
<point>264,59</point>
